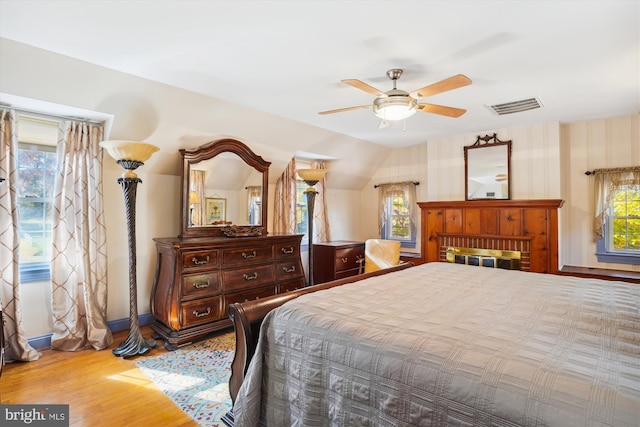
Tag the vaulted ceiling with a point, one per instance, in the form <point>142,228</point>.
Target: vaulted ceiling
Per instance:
<point>578,59</point>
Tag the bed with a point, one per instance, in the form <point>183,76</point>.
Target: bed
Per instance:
<point>441,344</point>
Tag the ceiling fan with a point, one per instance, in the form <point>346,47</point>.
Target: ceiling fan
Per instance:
<point>397,104</point>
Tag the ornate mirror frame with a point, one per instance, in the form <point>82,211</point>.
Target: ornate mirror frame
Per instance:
<point>206,152</point>
<point>484,166</point>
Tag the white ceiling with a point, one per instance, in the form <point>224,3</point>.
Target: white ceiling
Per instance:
<point>580,58</point>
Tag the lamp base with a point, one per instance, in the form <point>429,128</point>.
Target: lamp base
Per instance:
<point>135,345</point>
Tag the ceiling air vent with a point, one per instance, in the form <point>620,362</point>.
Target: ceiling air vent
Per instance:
<point>515,106</point>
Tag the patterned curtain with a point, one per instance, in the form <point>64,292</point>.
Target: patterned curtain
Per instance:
<point>386,191</point>
<point>197,186</point>
<point>79,253</point>
<point>284,220</point>
<point>18,347</point>
<point>320,218</point>
<point>606,183</point>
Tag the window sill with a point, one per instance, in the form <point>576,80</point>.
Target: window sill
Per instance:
<point>601,273</point>
<point>612,258</point>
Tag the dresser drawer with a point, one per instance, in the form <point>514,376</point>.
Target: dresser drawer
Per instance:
<point>201,311</point>
<point>205,259</point>
<point>200,285</point>
<point>242,256</point>
<point>249,277</point>
<point>249,295</point>
<point>287,251</point>
<point>346,273</point>
<point>289,270</point>
<point>291,286</point>
<point>347,258</point>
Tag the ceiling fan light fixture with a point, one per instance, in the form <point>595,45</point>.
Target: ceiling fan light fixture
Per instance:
<point>392,108</point>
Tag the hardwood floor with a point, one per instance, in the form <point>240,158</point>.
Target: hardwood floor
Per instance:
<point>100,388</point>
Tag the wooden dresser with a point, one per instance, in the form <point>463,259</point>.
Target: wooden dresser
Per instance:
<point>336,260</point>
<point>198,277</point>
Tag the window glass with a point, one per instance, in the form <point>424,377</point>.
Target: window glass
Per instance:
<point>624,221</point>
<point>36,168</point>
<point>255,212</point>
<point>302,219</point>
<point>398,218</point>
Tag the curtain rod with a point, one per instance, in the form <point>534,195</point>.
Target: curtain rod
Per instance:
<point>52,116</point>
<point>625,169</point>
<point>396,183</point>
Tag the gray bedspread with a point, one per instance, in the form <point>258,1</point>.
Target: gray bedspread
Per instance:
<point>450,345</point>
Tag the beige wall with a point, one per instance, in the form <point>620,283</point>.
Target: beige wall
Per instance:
<point>591,145</point>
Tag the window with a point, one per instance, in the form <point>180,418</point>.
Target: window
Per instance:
<point>36,161</point>
<point>254,204</point>
<point>398,226</point>
<point>621,241</point>
<point>397,212</point>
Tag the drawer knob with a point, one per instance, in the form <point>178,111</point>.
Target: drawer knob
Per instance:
<point>202,313</point>
<point>248,256</point>
<point>201,285</point>
<point>252,277</point>
<point>287,251</point>
<point>200,261</point>
<point>289,270</point>
<point>345,260</point>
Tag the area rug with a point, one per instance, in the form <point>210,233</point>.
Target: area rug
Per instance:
<point>196,378</point>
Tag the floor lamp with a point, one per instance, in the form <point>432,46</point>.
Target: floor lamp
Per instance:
<point>131,155</point>
<point>311,178</point>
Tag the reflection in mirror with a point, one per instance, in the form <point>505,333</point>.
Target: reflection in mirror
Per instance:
<point>488,169</point>
<point>224,184</point>
<point>224,190</point>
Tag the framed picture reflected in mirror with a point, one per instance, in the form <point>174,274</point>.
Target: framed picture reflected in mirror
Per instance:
<point>216,210</point>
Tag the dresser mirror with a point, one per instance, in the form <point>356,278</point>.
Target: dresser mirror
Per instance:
<point>488,169</point>
<point>224,185</point>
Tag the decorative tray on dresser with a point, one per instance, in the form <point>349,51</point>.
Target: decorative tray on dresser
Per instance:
<point>198,277</point>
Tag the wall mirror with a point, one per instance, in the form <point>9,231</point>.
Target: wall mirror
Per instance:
<point>224,185</point>
<point>488,169</point>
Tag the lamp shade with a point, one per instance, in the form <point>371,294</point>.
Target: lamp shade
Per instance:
<point>129,150</point>
<point>312,175</point>
<point>193,198</point>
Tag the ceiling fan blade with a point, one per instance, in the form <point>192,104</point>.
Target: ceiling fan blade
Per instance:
<point>340,110</point>
<point>441,109</point>
<point>363,86</point>
<point>451,83</point>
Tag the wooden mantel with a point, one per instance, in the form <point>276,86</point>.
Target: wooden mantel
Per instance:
<point>530,224</point>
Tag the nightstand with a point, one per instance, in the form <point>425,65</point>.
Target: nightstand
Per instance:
<point>336,260</point>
